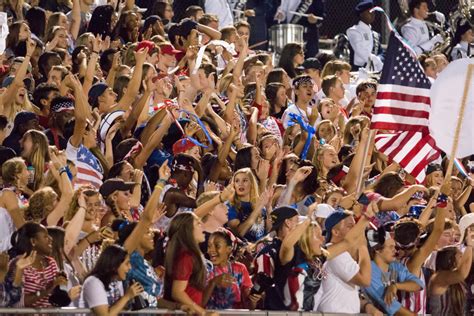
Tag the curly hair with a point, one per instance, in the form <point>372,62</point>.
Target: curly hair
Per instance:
<point>41,203</point>
<point>11,168</point>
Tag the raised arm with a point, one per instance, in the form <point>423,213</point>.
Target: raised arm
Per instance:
<point>416,261</point>
<point>287,250</point>
<point>146,218</point>
<point>223,153</point>
<point>386,204</point>
<point>299,176</point>
<point>447,278</point>
<point>351,178</point>
<point>91,66</point>
<point>67,192</point>
<point>154,141</point>
<point>207,207</point>
<point>76,19</point>
<point>9,94</point>
<point>113,70</point>
<point>134,84</point>
<point>239,66</point>
<point>138,107</point>
<point>74,227</point>
<point>81,110</point>
<point>209,31</point>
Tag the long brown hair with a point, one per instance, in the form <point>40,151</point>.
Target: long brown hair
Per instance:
<point>39,155</point>
<point>446,261</point>
<point>181,238</point>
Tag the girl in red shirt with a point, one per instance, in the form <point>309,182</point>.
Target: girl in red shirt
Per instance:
<point>185,277</point>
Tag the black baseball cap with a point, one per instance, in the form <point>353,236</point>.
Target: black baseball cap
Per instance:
<point>115,184</point>
<point>280,214</point>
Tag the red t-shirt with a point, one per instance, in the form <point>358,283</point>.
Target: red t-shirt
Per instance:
<point>184,272</point>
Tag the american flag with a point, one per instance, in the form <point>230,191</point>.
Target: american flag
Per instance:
<point>89,169</point>
<point>403,108</point>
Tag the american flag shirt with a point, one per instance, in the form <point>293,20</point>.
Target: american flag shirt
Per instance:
<point>89,169</point>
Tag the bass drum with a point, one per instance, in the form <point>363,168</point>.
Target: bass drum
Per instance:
<point>282,34</point>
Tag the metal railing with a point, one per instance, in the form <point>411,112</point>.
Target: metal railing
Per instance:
<point>85,311</point>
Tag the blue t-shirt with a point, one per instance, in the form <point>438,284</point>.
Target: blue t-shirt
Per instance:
<point>144,273</point>
<point>397,272</point>
<point>258,229</point>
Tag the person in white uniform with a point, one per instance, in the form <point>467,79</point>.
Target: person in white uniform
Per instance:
<point>416,31</point>
<point>220,8</point>
<point>463,40</point>
<point>365,42</point>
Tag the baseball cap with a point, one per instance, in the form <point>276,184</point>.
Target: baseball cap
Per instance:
<point>95,92</point>
<point>465,221</point>
<point>332,220</point>
<point>146,44</point>
<point>182,145</point>
<point>280,214</point>
<point>168,49</point>
<point>433,167</point>
<point>324,210</point>
<point>107,122</point>
<point>115,184</point>
<point>364,5</point>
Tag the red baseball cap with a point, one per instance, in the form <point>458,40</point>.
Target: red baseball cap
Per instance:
<point>169,49</point>
<point>182,145</point>
<point>146,44</point>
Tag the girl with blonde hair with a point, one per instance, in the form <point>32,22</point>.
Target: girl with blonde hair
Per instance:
<point>247,213</point>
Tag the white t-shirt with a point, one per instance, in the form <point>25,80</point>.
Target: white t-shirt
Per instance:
<point>336,294</point>
<point>94,293</point>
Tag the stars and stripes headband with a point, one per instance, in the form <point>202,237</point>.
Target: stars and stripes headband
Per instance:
<point>180,166</point>
<point>301,80</point>
<point>66,105</point>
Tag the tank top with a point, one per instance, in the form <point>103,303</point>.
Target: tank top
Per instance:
<point>414,301</point>
<point>7,227</point>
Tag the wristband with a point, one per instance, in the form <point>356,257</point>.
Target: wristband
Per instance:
<point>162,181</point>
<point>160,186</point>
<point>442,201</point>
<point>94,52</point>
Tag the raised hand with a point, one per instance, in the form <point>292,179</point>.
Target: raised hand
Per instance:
<point>138,176</point>
<point>160,212</point>
<point>30,47</point>
<point>26,261</point>
<point>140,56</point>
<point>301,174</point>
<point>228,193</point>
<point>164,171</point>
<point>263,169</point>
<point>97,43</point>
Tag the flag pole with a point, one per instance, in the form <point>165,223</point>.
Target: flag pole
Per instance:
<point>360,178</point>
<point>467,84</point>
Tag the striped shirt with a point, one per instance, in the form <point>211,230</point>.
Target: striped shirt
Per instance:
<point>40,279</point>
<point>414,301</point>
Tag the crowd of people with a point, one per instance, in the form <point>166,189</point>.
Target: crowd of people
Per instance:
<point>151,158</point>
